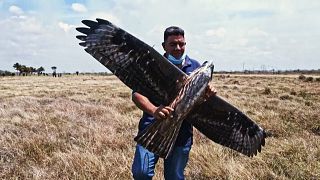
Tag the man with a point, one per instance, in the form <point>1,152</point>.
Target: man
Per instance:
<point>144,161</point>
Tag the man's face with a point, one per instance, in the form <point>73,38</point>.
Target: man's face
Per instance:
<point>174,45</point>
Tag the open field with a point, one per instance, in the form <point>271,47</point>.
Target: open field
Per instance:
<point>82,127</point>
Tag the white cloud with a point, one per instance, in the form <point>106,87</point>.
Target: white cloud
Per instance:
<point>242,41</point>
<point>66,27</point>
<point>219,32</point>
<point>32,42</point>
<point>77,7</point>
<point>15,10</point>
<point>257,32</point>
<point>25,25</point>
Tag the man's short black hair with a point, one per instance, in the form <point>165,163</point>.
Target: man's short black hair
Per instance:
<point>173,30</point>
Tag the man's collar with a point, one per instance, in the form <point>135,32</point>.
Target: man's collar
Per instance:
<point>186,62</point>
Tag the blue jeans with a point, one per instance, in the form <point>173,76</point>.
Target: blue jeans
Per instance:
<point>145,161</point>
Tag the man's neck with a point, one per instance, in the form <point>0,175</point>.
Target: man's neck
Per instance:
<point>178,65</point>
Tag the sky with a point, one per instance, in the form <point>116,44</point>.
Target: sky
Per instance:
<point>234,35</point>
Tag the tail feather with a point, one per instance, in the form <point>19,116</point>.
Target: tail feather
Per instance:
<point>160,136</point>
<point>168,142</point>
<point>146,138</point>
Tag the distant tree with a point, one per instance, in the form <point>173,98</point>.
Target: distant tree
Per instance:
<point>27,70</point>
<point>54,68</point>
<point>31,70</point>
<point>40,70</point>
<point>17,66</point>
<point>6,73</point>
<point>23,70</point>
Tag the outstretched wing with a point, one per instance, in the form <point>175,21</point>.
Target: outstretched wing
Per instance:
<point>135,63</point>
<point>228,126</point>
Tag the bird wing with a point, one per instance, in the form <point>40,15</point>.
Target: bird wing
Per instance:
<point>135,63</point>
<point>228,126</point>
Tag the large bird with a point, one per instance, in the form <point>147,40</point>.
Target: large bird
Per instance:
<point>146,71</point>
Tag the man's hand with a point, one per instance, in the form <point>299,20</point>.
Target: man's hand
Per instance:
<point>162,112</point>
<point>143,103</point>
<point>210,91</point>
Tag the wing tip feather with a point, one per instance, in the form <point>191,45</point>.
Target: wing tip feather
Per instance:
<point>90,23</point>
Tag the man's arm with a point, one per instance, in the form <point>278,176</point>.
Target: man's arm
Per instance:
<point>143,103</point>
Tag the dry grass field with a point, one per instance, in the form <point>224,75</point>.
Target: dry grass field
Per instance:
<point>82,127</point>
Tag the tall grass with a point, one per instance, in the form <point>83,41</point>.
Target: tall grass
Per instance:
<point>82,127</point>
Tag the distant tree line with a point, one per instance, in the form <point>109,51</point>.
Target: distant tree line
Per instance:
<point>29,70</point>
<point>26,70</point>
<point>6,73</point>
<point>296,71</point>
